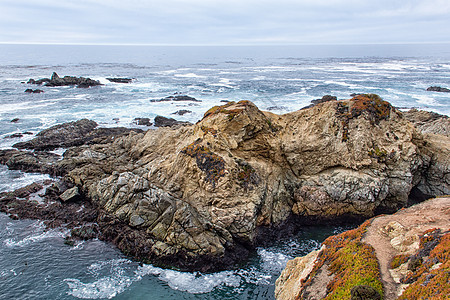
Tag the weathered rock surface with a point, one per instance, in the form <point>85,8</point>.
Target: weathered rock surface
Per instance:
<point>429,122</point>
<point>201,196</point>
<point>73,134</point>
<point>417,236</point>
<point>55,80</point>
<point>438,89</point>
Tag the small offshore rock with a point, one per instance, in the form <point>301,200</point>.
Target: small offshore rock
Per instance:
<point>55,80</point>
<point>161,121</point>
<point>120,80</point>
<point>15,120</point>
<point>70,195</point>
<point>31,91</point>
<point>438,89</point>
<point>142,121</point>
<point>182,112</point>
<point>177,98</point>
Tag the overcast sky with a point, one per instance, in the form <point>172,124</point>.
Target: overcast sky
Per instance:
<point>224,22</point>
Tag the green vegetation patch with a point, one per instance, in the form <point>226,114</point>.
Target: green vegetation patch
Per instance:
<point>352,262</point>
<point>398,260</point>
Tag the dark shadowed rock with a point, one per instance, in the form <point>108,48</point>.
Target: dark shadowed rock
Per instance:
<point>182,112</point>
<point>142,121</point>
<point>364,292</point>
<point>31,91</point>
<point>438,89</point>
<point>15,120</point>
<point>72,134</point>
<point>161,121</point>
<point>120,80</point>
<point>31,162</point>
<point>177,98</point>
<point>55,80</point>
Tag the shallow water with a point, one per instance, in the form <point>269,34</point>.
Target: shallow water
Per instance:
<point>36,264</point>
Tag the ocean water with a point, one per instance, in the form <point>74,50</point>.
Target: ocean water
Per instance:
<point>35,263</point>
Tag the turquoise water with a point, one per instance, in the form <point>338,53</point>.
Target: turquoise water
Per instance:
<point>36,264</point>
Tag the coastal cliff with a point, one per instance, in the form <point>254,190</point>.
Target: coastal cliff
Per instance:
<point>400,256</point>
<point>201,197</point>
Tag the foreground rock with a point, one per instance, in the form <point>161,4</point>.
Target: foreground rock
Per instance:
<point>201,197</point>
<point>400,256</point>
<point>438,89</point>
<point>55,80</point>
<point>429,122</point>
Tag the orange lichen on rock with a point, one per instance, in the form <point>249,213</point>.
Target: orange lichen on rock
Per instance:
<point>398,260</point>
<point>432,277</point>
<point>230,112</point>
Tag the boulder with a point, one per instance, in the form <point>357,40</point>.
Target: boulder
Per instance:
<point>142,121</point>
<point>70,195</point>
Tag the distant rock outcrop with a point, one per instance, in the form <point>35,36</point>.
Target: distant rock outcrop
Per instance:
<point>31,91</point>
<point>438,89</point>
<point>177,98</point>
<point>201,197</point>
<point>120,80</point>
<point>55,80</point>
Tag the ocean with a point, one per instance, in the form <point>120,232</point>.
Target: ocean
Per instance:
<point>36,264</point>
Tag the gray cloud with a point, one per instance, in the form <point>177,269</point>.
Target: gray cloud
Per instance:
<point>224,22</point>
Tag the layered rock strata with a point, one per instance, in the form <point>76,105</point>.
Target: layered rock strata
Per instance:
<point>202,196</point>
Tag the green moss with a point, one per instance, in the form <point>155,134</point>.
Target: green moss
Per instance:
<point>212,164</point>
<point>351,262</point>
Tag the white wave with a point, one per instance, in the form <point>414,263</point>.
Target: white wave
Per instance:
<point>13,179</point>
<point>38,235</point>
<point>194,283</point>
<point>273,261</point>
<point>426,100</point>
<point>189,75</point>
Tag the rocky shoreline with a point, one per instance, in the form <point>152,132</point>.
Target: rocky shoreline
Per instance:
<point>202,196</point>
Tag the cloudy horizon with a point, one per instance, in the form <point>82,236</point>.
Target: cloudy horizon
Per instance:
<point>219,22</point>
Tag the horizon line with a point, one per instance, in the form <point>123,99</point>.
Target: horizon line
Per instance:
<point>221,45</point>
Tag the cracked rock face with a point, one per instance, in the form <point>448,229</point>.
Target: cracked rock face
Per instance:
<point>199,193</point>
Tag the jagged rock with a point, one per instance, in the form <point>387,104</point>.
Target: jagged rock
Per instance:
<point>325,98</point>
<point>142,121</point>
<point>120,80</point>
<point>161,121</point>
<point>177,98</point>
<point>70,194</point>
<point>18,135</point>
<point>72,134</point>
<point>429,122</point>
<point>202,196</point>
<point>182,112</point>
<point>438,89</point>
<point>32,162</point>
<point>15,120</point>
<point>55,80</point>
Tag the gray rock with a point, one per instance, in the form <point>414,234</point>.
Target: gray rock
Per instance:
<point>70,195</point>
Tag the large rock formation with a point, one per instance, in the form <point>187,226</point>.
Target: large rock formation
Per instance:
<point>55,80</point>
<point>201,196</point>
<point>399,256</point>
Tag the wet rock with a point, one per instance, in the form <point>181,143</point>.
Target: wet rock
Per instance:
<point>161,121</point>
<point>177,98</point>
<point>438,89</point>
<point>32,162</point>
<point>15,120</point>
<point>120,80</point>
<point>142,121</point>
<point>182,112</point>
<point>55,80</point>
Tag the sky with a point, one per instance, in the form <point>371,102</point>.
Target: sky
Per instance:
<point>224,22</point>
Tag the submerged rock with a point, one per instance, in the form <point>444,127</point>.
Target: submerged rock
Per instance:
<point>31,91</point>
<point>182,112</point>
<point>201,197</point>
